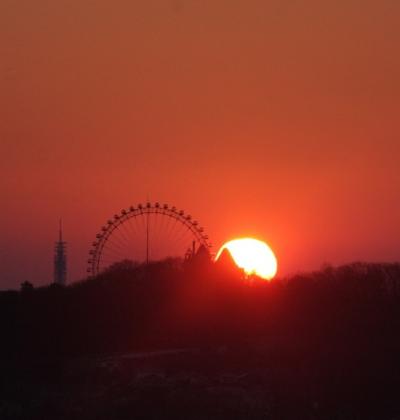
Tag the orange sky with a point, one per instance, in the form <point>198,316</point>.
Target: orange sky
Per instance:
<point>267,118</point>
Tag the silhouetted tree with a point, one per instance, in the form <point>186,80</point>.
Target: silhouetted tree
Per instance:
<point>328,337</point>
<point>26,286</point>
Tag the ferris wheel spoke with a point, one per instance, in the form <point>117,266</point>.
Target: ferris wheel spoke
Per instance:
<point>124,235</point>
<point>150,231</point>
<point>112,249</point>
<point>143,228</point>
<point>125,228</point>
<point>123,232</point>
<point>157,231</point>
<point>187,240</point>
<point>150,225</point>
<point>131,227</point>
<point>132,232</point>
<point>164,221</point>
<point>119,240</point>
<point>129,237</point>
<point>176,234</point>
<point>170,226</point>
<point>186,244</point>
<point>181,235</point>
<point>164,227</point>
<point>115,244</point>
<point>160,244</point>
<point>141,219</point>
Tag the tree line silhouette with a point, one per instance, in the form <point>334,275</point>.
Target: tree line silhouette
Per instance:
<point>329,336</point>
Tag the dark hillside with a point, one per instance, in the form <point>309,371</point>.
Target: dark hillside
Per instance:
<point>318,345</point>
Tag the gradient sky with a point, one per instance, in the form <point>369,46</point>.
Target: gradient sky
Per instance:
<point>278,119</point>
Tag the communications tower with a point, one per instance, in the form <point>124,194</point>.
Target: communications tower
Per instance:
<point>60,259</point>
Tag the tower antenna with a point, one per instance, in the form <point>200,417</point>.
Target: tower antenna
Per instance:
<point>60,259</point>
<point>147,231</point>
<point>60,231</point>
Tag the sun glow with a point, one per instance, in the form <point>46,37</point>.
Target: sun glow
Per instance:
<point>253,256</point>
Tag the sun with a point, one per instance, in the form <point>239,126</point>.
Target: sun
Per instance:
<point>253,256</point>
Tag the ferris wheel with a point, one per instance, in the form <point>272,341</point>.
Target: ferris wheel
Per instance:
<point>147,232</point>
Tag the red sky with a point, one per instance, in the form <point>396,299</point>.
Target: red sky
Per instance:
<point>267,118</point>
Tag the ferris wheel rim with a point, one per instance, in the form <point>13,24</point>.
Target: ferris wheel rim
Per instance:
<point>124,215</point>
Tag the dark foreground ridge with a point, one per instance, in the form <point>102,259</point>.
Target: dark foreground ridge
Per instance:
<point>196,341</point>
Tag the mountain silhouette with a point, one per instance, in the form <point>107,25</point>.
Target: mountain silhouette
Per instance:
<point>227,264</point>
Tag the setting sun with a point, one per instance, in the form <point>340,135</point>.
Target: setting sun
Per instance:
<point>253,256</point>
